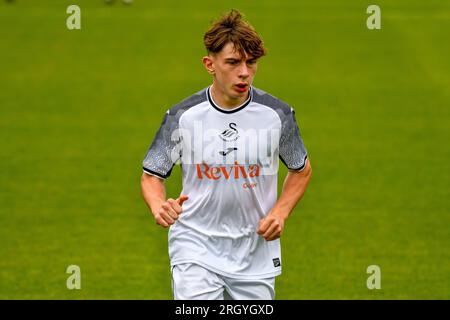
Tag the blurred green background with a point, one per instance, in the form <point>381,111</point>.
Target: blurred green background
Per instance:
<point>80,108</point>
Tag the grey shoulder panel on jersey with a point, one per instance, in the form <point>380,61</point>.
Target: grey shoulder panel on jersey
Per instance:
<point>264,98</point>
<point>165,149</point>
<point>189,102</point>
<point>292,150</point>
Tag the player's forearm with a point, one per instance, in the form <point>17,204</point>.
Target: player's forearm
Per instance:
<point>294,187</point>
<point>153,191</point>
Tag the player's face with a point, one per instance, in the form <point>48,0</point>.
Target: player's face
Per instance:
<point>233,74</point>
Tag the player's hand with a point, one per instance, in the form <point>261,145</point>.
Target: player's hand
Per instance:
<point>169,211</point>
<point>271,227</point>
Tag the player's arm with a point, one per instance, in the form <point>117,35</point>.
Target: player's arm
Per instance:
<point>294,186</point>
<point>294,156</point>
<point>157,166</point>
<point>165,212</point>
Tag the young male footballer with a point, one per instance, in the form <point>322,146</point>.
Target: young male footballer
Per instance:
<point>226,224</point>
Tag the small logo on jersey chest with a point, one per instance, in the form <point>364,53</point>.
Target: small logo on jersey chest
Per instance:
<point>276,262</point>
<point>230,134</point>
<point>224,153</point>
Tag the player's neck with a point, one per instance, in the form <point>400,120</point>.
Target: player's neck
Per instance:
<point>224,101</point>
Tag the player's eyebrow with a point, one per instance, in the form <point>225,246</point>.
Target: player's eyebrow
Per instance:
<point>232,59</point>
<point>240,59</point>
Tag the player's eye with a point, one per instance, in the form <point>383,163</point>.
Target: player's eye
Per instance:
<point>251,62</point>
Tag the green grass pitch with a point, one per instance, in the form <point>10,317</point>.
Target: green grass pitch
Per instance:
<point>78,110</point>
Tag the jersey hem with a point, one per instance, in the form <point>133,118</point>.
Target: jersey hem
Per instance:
<point>299,169</point>
<point>226,274</point>
<point>157,174</point>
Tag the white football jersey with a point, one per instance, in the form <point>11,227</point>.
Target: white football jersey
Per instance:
<point>229,161</point>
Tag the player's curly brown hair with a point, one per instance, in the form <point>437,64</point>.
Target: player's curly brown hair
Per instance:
<point>231,28</point>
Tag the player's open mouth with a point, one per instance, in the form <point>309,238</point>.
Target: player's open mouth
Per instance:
<point>241,87</point>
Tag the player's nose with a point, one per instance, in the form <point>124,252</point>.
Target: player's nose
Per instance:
<point>243,71</point>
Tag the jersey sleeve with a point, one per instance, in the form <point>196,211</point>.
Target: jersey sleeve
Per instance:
<point>292,150</point>
<point>164,150</point>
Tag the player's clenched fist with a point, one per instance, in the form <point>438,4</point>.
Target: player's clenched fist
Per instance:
<point>169,211</point>
<point>271,227</point>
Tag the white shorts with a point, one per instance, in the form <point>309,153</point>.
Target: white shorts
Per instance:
<point>193,282</point>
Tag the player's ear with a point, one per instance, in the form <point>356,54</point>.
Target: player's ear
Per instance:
<point>208,63</point>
